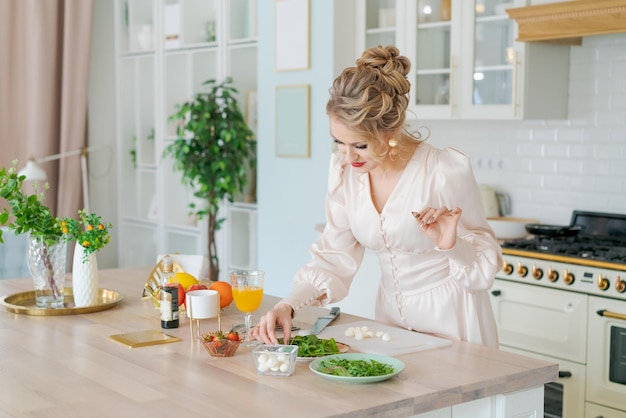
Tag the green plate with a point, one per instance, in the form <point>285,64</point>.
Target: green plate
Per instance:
<point>397,365</point>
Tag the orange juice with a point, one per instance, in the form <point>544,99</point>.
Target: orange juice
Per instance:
<point>248,299</point>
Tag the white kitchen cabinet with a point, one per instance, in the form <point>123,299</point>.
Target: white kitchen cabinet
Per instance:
<point>466,63</point>
<point>570,384</point>
<point>165,51</point>
<point>597,411</point>
<point>523,403</point>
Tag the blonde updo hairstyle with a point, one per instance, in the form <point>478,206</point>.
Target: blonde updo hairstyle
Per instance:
<point>372,99</point>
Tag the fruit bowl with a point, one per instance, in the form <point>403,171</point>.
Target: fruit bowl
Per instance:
<point>219,346</point>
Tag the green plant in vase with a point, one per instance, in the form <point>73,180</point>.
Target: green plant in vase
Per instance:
<point>91,234</point>
<point>213,146</point>
<point>89,231</point>
<point>27,214</point>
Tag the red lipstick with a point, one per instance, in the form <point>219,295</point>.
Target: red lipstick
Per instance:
<point>357,165</point>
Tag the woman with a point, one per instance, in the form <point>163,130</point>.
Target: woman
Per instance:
<point>417,207</point>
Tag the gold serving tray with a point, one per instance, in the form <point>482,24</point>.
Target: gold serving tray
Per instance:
<point>24,303</point>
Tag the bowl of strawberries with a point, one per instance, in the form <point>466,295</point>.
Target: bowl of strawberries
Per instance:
<point>221,344</point>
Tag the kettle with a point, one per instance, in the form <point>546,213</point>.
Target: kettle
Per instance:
<point>490,201</point>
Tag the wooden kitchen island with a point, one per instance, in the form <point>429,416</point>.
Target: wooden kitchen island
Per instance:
<point>66,366</point>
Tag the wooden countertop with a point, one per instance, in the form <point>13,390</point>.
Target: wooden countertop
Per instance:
<point>66,366</point>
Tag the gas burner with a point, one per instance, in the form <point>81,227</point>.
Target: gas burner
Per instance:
<point>602,238</point>
<point>590,248</point>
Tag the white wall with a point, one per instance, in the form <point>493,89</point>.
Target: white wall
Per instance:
<point>290,191</point>
<point>549,168</point>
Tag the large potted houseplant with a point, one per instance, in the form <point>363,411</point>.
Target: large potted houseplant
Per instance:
<point>213,148</point>
<point>48,235</point>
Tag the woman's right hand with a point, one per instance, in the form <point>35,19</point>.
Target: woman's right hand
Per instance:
<point>439,225</point>
<point>265,331</point>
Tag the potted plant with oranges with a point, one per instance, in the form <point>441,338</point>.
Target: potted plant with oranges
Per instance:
<point>91,234</point>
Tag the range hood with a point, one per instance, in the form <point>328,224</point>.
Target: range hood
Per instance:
<point>567,22</point>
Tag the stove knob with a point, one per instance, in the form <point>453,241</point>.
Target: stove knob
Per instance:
<point>537,272</point>
<point>553,275</point>
<point>568,277</point>
<point>522,271</point>
<point>620,285</point>
<point>603,282</point>
<point>507,268</point>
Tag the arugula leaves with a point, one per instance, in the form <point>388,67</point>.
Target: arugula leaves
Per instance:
<point>354,368</point>
<point>312,346</point>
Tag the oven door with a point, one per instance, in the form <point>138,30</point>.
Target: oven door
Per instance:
<point>564,398</point>
<point>545,321</point>
<point>606,348</point>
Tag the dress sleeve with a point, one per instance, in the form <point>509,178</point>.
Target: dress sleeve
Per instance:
<point>477,256</point>
<point>336,256</point>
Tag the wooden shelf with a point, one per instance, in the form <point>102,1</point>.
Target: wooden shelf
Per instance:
<point>567,22</point>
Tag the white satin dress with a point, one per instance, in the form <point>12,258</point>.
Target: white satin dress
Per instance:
<point>422,288</point>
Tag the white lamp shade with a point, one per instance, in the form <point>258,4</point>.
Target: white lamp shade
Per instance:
<point>33,172</point>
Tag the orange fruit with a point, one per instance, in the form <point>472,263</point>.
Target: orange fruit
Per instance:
<point>225,291</point>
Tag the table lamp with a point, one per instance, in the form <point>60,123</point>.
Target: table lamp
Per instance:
<point>33,172</point>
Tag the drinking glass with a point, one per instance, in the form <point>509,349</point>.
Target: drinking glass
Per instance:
<point>248,295</point>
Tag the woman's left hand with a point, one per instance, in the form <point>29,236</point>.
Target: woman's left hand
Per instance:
<point>439,225</point>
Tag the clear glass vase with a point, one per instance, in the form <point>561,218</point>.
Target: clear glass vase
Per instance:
<point>47,258</point>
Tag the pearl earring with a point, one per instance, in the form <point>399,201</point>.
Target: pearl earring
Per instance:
<point>393,143</point>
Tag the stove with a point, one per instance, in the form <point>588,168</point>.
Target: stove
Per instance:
<point>593,261</point>
<point>561,297</point>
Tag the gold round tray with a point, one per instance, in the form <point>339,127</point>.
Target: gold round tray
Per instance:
<point>24,303</point>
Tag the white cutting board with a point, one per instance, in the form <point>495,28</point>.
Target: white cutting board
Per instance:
<point>402,341</point>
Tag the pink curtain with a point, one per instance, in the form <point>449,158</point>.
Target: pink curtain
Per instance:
<point>44,71</point>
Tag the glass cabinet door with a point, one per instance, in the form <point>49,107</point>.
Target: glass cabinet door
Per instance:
<point>241,49</point>
<point>380,23</point>
<point>242,20</point>
<point>494,56</point>
<point>433,53</point>
<point>466,63</point>
<point>189,23</point>
<point>136,26</point>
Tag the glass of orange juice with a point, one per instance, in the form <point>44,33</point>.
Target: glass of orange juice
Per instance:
<point>248,295</point>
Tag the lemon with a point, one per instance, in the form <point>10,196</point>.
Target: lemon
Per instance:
<point>186,280</point>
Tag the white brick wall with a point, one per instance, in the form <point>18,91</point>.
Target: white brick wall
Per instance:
<point>552,167</point>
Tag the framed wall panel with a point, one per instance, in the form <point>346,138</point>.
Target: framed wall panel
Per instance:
<point>291,37</point>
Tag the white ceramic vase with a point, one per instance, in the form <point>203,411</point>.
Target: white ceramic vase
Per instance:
<point>84,278</point>
<point>144,37</point>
